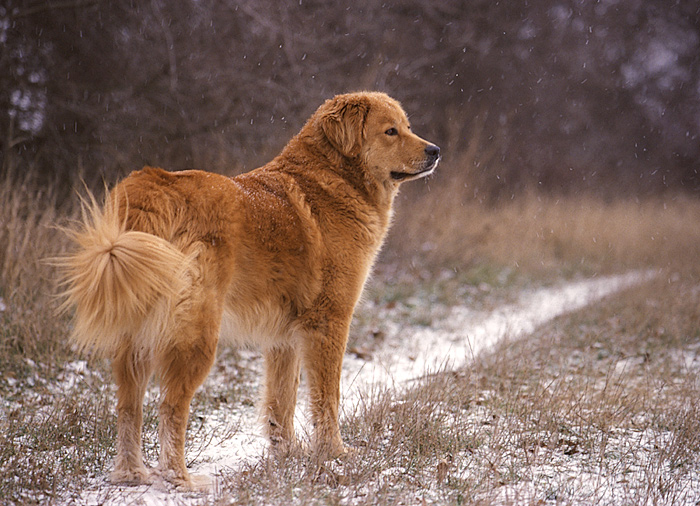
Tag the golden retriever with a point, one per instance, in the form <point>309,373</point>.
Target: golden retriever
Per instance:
<point>276,258</point>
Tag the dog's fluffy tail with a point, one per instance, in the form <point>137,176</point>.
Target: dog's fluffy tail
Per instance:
<point>123,284</point>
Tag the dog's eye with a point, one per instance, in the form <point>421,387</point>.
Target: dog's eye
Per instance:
<point>392,131</point>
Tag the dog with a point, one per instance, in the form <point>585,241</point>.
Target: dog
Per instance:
<point>276,258</point>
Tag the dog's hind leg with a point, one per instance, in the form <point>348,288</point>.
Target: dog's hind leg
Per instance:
<point>131,375</point>
<point>282,367</point>
<point>182,369</point>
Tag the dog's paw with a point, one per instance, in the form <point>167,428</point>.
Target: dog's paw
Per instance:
<point>131,476</point>
<point>198,483</point>
<point>187,482</point>
<point>284,449</point>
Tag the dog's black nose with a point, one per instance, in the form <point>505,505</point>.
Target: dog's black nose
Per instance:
<point>432,151</point>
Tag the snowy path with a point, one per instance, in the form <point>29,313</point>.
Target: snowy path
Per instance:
<point>408,353</point>
<point>411,352</point>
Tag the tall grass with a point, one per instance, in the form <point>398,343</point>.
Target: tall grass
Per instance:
<point>42,431</point>
<point>540,234</point>
<point>29,215</point>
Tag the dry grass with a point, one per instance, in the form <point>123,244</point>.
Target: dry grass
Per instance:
<point>543,235</point>
<point>29,215</point>
<point>613,388</point>
<point>610,391</point>
<point>42,437</point>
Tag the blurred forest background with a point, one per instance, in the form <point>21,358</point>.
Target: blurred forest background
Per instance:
<point>564,95</point>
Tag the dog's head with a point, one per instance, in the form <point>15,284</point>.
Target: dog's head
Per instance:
<point>373,127</point>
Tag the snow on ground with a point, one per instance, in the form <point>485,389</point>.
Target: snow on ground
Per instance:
<point>408,353</point>
<point>413,352</point>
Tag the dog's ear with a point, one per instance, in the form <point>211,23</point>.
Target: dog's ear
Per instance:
<point>343,123</point>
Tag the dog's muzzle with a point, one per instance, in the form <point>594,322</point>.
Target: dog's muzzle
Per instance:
<point>432,157</point>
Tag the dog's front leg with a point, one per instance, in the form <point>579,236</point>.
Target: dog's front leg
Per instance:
<point>323,360</point>
<point>281,384</point>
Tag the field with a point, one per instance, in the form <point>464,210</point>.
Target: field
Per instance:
<point>597,406</point>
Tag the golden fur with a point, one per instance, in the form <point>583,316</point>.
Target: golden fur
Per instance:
<point>276,258</point>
